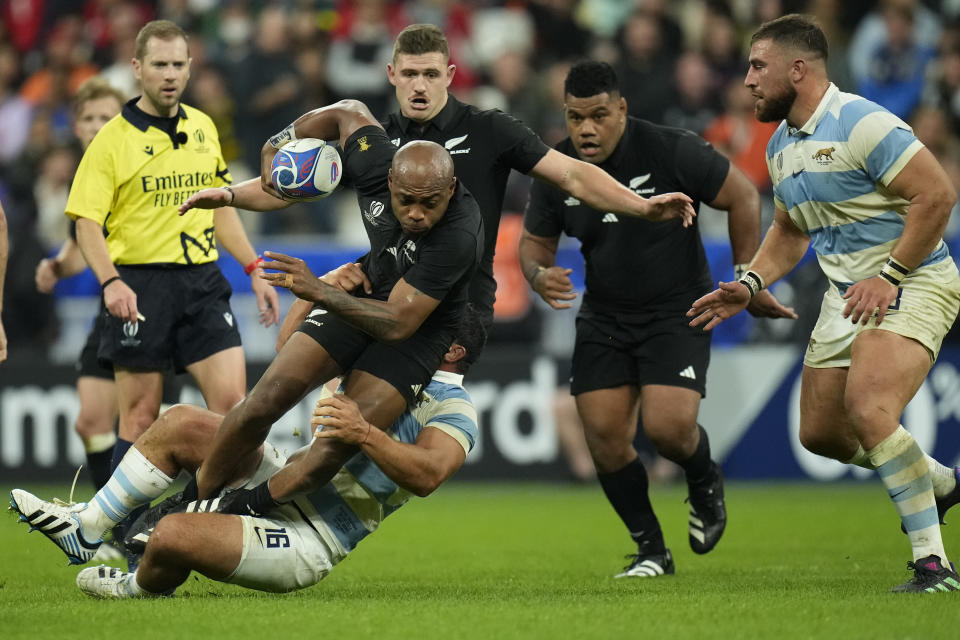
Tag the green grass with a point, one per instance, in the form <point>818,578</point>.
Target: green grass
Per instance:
<point>536,561</point>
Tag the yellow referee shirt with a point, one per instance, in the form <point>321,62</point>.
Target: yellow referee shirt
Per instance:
<point>136,173</point>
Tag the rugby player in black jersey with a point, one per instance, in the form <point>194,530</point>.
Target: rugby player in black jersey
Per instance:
<point>634,353</point>
<point>485,145</point>
<point>426,239</point>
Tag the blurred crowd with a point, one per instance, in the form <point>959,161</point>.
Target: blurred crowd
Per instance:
<point>257,65</point>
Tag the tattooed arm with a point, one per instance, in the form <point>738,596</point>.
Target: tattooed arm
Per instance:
<point>392,320</point>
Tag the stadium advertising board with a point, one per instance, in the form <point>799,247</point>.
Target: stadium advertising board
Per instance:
<point>753,420</point>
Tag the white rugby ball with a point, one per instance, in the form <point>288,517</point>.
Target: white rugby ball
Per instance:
<point>306,169</point>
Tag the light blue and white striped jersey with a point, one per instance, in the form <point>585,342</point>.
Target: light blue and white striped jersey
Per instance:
<point>832,177</point>
<point>354,503</point>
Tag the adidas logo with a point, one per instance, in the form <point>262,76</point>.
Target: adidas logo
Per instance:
<point>609,217</point>
<point>688,372</point>
<point>571,202</point>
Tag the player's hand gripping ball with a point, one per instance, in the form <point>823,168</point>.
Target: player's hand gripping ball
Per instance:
<point>306,169</point>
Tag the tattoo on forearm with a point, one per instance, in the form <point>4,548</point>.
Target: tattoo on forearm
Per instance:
<point>368,315</point>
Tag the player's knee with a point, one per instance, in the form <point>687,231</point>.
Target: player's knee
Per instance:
<point>819,442</point>
<point>167,540</point>
<point>91,423</point>
<point>673,441</point>
<point>269,400</point>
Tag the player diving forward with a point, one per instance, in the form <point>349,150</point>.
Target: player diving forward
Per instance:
<point>296,544</point>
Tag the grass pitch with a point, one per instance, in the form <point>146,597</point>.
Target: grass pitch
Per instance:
<point>536,561</point>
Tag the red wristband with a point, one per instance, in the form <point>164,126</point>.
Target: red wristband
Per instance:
<point>253,265</point>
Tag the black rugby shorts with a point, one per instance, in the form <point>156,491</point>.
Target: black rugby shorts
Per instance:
<point>188,318</point>
<point>407,365</point>
<point>613,350</point>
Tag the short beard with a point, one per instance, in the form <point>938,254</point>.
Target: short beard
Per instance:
<point>777,108</point>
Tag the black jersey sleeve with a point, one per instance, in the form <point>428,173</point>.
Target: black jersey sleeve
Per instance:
<point>701,169</point>
<point>543,216</point>
<point>367,155</point>
<point>519,147</point>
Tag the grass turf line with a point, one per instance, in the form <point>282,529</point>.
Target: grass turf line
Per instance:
<point>536,561</point>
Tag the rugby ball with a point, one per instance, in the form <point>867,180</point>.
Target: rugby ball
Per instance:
<point>306,169</point>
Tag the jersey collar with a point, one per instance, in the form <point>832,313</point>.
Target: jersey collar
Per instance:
<point>449,377</point>
<point>818,113</point>
<point>440,121</point>
<point>143,120</point>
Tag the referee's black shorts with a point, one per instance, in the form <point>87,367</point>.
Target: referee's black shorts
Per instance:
<point>89,365</point>
<point>657,347</point>
<point>188,318</point>
<point>407,365</point>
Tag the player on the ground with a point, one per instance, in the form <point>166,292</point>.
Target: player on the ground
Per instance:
<point>296,543</point>
<point>426,238</point>
<point>166,302</point>
<point>634,352</point>
<point>851,180</point>
<point>486,145</point>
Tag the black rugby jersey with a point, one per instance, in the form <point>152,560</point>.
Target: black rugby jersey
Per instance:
<point>485,146</point>
<point>441,262</point>
<point>634,265</point>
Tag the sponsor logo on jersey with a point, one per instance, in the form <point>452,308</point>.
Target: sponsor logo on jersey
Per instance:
<point>688,373</point>
<point>148,149</point>
<point>373,212</point>
<point>571,202</point>
<point>453,142</point>
<point>609,217</point>
<point>130,330</point>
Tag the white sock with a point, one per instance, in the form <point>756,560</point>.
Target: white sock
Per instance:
<point>135,481</point>
<point>902,467</point>
<point>860,459</point>
<point>100,442</point>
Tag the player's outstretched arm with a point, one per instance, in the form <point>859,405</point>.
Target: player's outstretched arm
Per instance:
<point>246,195</point>
<point>552,283</point>
<point>419,468</point>
<point>597,188</point>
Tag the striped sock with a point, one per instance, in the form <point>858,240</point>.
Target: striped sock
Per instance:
<point>943,478</point>
<point>902,467</point>
<point>135,482</point>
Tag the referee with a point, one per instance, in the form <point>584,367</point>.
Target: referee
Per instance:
<point>166,302</point>
<point>634,351</point>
